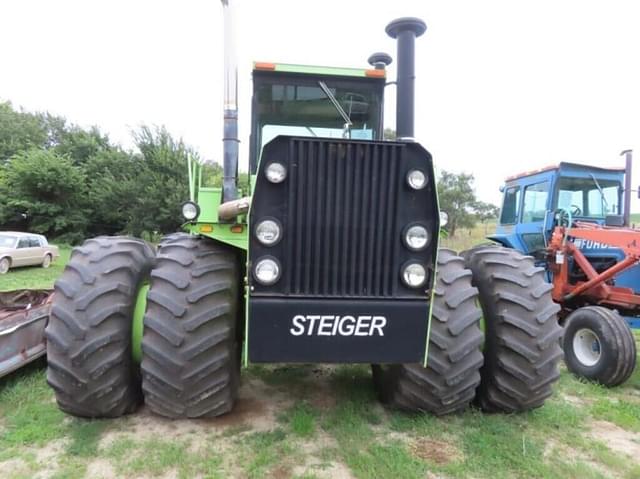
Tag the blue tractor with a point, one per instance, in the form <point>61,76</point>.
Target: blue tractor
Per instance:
<point>588,209</point>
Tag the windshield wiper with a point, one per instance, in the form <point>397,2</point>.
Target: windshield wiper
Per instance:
<point>347,121</point>
<point>604,200</point>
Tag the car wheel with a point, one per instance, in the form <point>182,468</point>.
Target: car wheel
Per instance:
<point>5,264</point>
<point>46,262</point>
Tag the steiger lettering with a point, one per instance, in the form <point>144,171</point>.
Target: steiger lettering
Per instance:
<point>329,325</point>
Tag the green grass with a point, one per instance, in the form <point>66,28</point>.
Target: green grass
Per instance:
<point>352,429</point>
<point>35,277</point>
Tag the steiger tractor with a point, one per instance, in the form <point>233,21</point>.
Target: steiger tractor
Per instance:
<point>330,257</point>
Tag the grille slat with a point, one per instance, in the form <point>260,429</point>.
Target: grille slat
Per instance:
<point>342,200</point>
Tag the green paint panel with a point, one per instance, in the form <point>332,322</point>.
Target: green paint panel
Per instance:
<point>209,199</point>
<point>137,326</point>
<point>221,232</point>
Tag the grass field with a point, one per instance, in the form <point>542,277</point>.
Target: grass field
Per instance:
<point>319,422</point>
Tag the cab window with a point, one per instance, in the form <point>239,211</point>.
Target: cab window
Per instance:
<point>23,243</point>
<point>510,205</point>
<point>535,202</point>
<point>583,197</point>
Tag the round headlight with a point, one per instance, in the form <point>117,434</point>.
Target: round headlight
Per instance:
<point>190,210</point>
<point>275,172</point>
<point>416,237</point>
<point>444,219</point>
<point>414,275</point>
<point>416,179</point>
<point>268,232</point>
<point>267,271</point>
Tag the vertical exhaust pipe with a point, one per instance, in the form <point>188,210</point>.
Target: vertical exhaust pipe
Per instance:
<point>230,141</point>
<point>628,156</point>
<point>406,30</point>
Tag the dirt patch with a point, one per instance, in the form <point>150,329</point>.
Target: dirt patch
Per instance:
<point>17,467</point>
<point>245,411</point>
<point>46,453</point>
<point>100,469</point>
<point>616,438</point>
<point>575,400</point>
<point>435,451</point>
<point>573,455</point>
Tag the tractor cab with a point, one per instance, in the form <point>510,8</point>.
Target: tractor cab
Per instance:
<point>532,200</point>
<point>535,202</point>
<point>312,101</point>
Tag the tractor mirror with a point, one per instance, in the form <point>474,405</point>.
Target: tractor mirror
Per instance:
<point>502,189</point>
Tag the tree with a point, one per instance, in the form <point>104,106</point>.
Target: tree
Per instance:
<point>162,184</point>
<point>19,131</point>
<point>47,191</point>
<point>457,198</point>
<point>485,212</point>
<point>389,134</point>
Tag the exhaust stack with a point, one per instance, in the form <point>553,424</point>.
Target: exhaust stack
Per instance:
<point>230,141</point>
<point>405,30</point>
<point>628,157</point>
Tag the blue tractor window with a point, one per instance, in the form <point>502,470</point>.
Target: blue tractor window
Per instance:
<point>583,197</point>
<point>535,202</point>
<point>510,205</point>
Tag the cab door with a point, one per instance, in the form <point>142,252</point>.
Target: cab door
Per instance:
<point>534,216</point>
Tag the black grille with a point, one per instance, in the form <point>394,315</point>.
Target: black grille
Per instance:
<point>342,204</point>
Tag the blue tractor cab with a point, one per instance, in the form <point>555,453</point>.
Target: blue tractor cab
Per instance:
<point>532,201</point>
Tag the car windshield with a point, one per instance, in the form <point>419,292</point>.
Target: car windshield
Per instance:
<point>588,198</point>
<point>7,241</point>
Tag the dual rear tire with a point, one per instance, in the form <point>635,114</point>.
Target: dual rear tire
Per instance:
<point>513,370</point>
<point>190,345</point>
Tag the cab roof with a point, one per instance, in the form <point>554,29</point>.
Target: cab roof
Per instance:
<point>320,70</point>
<point>567,167</point>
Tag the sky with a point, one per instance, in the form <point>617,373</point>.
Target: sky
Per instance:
<point>502,86</point>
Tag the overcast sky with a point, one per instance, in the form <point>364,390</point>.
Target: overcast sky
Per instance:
<point>502,86</point>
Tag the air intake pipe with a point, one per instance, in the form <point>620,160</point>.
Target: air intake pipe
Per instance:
<point>405,30</point>
<point>628,164</point>
<point>230,141</point>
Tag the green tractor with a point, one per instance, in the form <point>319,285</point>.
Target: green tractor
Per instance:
<point>330,257</point>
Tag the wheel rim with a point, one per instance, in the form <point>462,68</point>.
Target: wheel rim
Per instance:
<point>586,347</point>
<point>46,262</point>
<point>4,266</point>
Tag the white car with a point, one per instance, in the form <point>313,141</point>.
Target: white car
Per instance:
<point>25,249</point>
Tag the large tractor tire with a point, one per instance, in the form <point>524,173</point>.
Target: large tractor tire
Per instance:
<point>190,346</point>
<point>90,366</point>
<point>522,335</point>
<point>449,381</point>
<point>599,346</point>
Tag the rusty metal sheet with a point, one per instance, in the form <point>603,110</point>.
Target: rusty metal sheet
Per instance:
<point>23,317</point>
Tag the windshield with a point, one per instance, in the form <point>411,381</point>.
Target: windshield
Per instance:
<point>588,198</point>
<point>7,241</point>
<point>300,106</point>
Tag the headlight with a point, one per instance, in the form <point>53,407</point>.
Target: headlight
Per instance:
<point>267,271</point>
<point>444,219</point>
<point>190,210</point>
<point>414,275</point>
<point>416,237</point>
<point>268,232</point>
<point>275,172</point>
<point>416,179</point>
